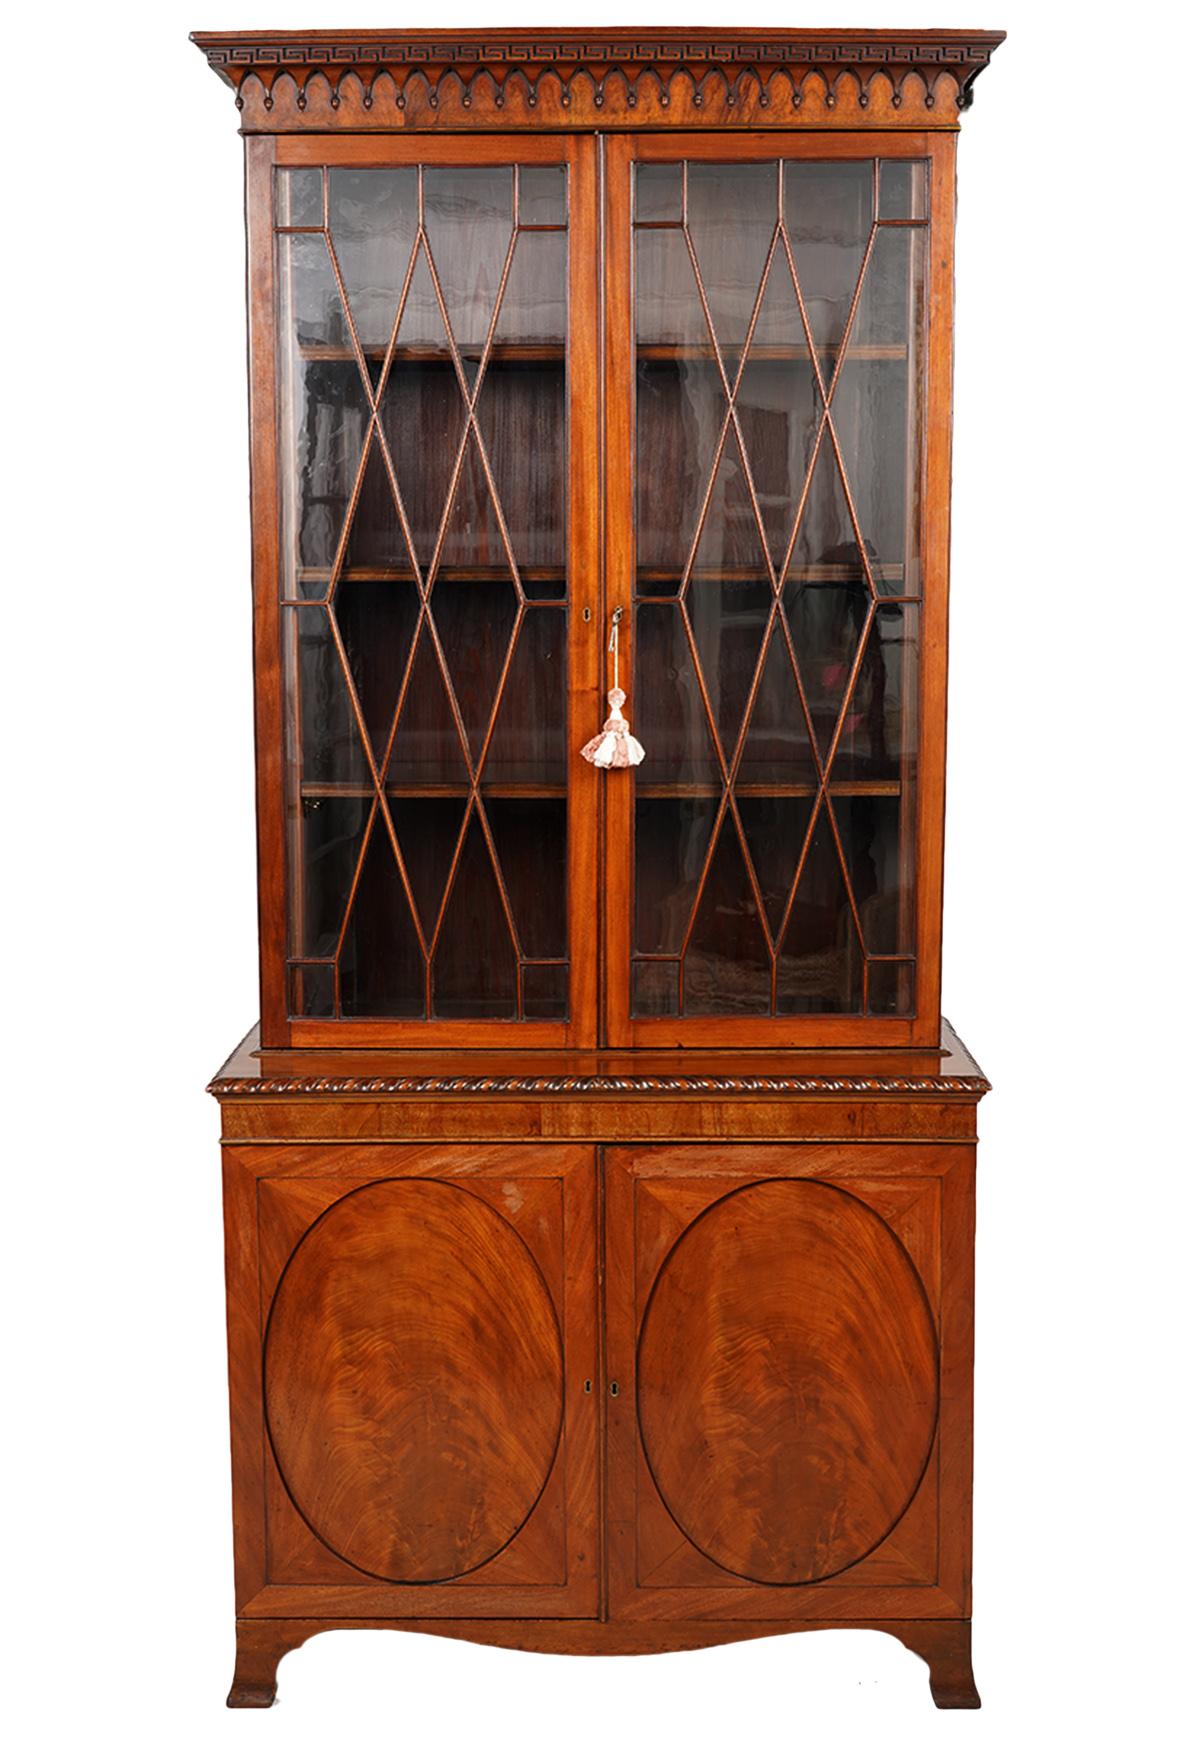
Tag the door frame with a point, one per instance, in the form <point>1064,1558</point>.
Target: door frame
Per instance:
<point>583,680</point>
<point>621,153</point>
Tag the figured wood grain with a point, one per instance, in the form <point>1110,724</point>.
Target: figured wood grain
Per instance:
<point>414,1380</point>
<point>787,1381</point>
<point>654,1194</point>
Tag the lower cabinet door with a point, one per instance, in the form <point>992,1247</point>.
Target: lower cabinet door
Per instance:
<point>413,1346</point>
<point>789,1367</point>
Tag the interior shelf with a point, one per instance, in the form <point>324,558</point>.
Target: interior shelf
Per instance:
<point>814,572</point>
<point>554,351</point>
<point>505,351</point>
<point>531,573</point>
<point>767,789</point>
<point>433,790</point>
<point>670,352</point>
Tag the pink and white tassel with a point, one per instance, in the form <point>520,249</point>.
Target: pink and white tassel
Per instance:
<point>615,747</point>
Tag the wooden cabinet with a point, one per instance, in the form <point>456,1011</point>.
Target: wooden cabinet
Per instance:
<point>599,1175</point>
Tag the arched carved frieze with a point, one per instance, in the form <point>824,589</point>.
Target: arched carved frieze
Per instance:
<point>430,81</point>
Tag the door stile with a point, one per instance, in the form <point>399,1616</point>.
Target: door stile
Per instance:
<point>620,460</point>
<point>584,587</point>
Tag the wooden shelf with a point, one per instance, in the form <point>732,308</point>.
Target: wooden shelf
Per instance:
<point>815,572</point>
<point>514,351</point>
<point>544,351</point>
<point>767,789</point>
<point>432,790</point>
<point>535,576</point>
<point>669,352</point>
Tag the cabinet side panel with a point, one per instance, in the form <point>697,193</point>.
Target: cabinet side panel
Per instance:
<point>245,1377</point>
<point>264,512</point>
<point>958,1369</point>
<point>935,540</point>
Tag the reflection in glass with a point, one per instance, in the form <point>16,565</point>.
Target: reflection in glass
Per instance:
<point>299,198</point>
<point>543,193</point>
<point>372,226</point>
<point>829,210</point>
<point>903,188</point>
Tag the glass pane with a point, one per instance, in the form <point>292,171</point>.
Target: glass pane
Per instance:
<point>727,962</point>
<point>530,836</point>
<point>529,742</point>
<point>372,226</point>
<point>869,827</point>
<point>419,674</point>
<point>673,841</point>
<point>299,198</point>
<point>779,382</point>
<point>830,210</point>
<point>469,220</point>
<point>313,989</point>
<point>475,966</point>
<point>903,188</point>
<point>655,989</point>
<point>543,193</point>
<point>877,407</point>
<point>878,737</point>
<point>545,990</point>
<point>428,831</point>
<point>381,971</point>
<point>324,413</point>
<point>731,220</point>
<point>332,830</point>
<point>659,193</point>
<point>891,988</point>
<point>820,959</point>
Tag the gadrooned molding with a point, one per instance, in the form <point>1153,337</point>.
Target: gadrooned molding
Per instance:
<point>241,1086</point>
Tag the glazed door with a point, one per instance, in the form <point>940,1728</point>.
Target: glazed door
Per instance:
<point>778,359</point>
<point>414,1424</point>
<point>424,356</point>
<point>789,1355</point>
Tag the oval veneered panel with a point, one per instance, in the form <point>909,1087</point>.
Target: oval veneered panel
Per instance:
<point>787,1381</point>
<point>414,1380</point>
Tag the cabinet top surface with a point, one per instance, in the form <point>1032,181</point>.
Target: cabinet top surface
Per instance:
<point>946,1070</point>
<point>319,80</point>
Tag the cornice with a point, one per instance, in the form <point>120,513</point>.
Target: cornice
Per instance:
<point>301,81</point>
<point>376,1086</point>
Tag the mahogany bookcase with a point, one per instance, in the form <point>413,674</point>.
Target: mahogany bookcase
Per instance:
<point>599,1177</point>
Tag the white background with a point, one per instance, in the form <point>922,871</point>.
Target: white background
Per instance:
<point>129,935</point>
